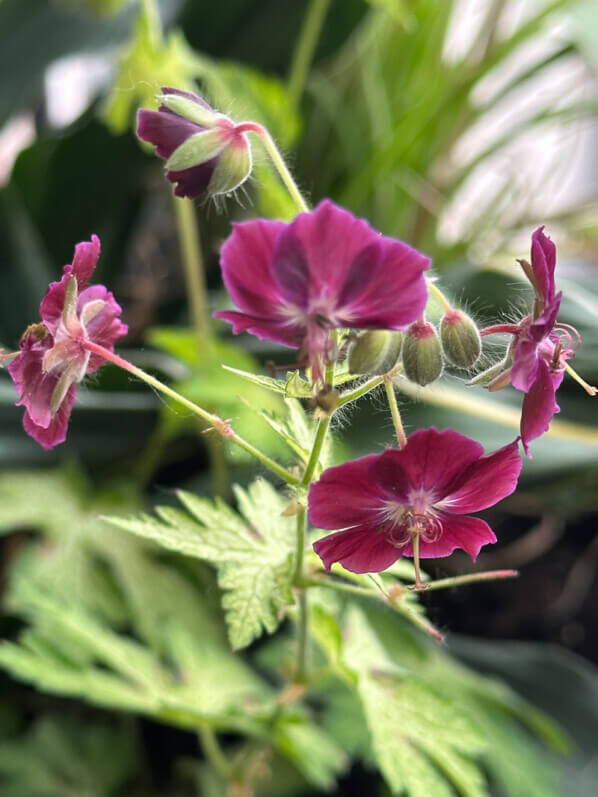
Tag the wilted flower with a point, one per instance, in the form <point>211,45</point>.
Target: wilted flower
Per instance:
<point>205,152</point>
<point>325,270</point>
<point>52,360</point>
<point>540,346</point>
<point>422,493</point>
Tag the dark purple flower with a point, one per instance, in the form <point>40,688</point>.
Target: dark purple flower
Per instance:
<point>427,489</point>
<point>206,152</point>
<point>325,270</point>
<point>52,360</point>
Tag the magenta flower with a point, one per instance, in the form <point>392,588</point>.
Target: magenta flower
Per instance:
<point>540,348</point>
<point>426,490</point>
<point>206,152</point>
<point>53,358</point>
<point>325,270</point>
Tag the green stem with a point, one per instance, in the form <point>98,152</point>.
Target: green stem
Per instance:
<point>418,576</point>
<point>215,754</point>
<point>417,620</point>
<point>302,639</point>
<point>305,48</point>
<point>314,457</point>
<point>277,160</point>
<point>394,411</point>
<point>358,392</point>
<point>310,468</point>
<point>194,270</point>
<point>470,578</point>
<point>362,592</point>
<point>433,288</point>
<point>221,426</point>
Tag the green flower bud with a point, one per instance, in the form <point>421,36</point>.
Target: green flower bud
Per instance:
<point>374,352</point>
<point>460,339</point>
<point>422,353</point>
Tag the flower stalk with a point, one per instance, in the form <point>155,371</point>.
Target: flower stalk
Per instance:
<point>219,425</point>
<point>278,161</point>
<point>394,411</point>
<point>194,270</point>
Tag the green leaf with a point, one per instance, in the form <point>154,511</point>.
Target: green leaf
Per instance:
<point>312,751</point>
<point>253,552</point>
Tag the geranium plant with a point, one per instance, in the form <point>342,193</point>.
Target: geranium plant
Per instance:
<point>322,548</point>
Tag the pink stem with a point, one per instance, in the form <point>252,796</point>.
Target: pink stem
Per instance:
<point>501,329</point>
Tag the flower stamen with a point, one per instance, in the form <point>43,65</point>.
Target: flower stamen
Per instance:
<point>590,389</point>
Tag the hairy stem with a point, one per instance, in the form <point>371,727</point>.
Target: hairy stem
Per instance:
<point>277,160</point>
<point>222,427</point>
<point>470,578</point>
<point>305,48</point>
<point>394,411</point>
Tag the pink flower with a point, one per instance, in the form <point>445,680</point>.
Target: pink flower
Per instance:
<point>426,490</point>
<point>52,360</point>
<point>540,348</point>
<point>206,152</point>
<point>325,270</point>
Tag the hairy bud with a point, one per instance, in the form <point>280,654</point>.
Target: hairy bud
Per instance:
<point>422,353</point>
<point>460,339</point>
<point>375,352</point>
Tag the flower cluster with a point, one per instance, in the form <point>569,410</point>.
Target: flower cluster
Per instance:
<point>53,358</point>
<point>324,278</point>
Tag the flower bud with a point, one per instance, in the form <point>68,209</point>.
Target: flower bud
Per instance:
<point>422,353</point>
<point>374,352</point>
<point>460,339</point>
<point>205,151</point>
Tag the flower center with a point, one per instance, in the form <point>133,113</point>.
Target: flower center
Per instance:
<point>401,523</point>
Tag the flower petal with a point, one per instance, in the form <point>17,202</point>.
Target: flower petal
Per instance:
<point>527,352</point>
<point>543,256</point>
<point>263,328</point>
<point>396,293</point>
<point>361,550</point>
<point>347,495</point>
<point>84,262</point>
<point>469,534</point>
<point>55,432</point>
<point>165,130</point>
<point>105,328</point>
<point>434,460</point>
<point>316,252</point>
<point>539,406</point>
<point>33,386</point>
<point>245,260</point>
<point>193,182</point>
<point>485,482</point>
